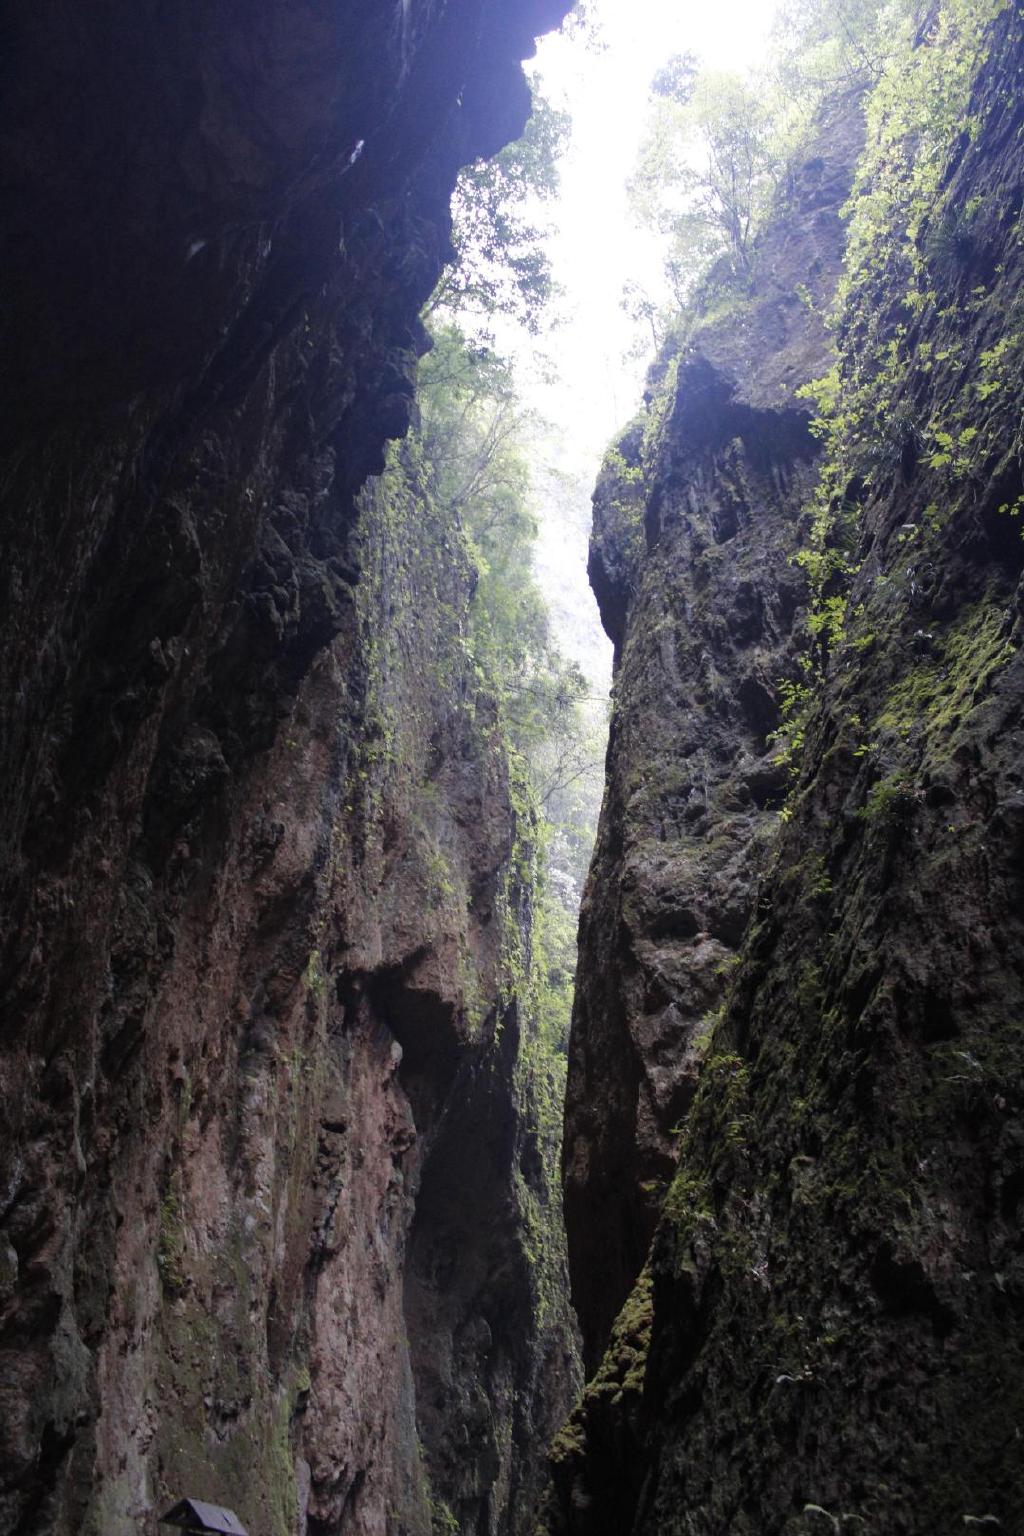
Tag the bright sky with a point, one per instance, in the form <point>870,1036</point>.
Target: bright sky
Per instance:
<point>595,251</point>
<point>597,248</point>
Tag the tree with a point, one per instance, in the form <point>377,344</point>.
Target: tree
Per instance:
<point>472,442</point>
<point>824,46</point>
<point>500,266</point>
<point>676,80</point>
<point>651,320</point>
<point>716,145</point>
<point>709,163</point>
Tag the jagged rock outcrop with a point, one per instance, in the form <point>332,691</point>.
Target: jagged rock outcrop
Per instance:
<point>827,1330</point>
<point>696,517</point>
<point>256,922</point>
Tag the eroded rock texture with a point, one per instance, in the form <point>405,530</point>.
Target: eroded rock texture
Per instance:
<point>257,891</point>
<point>826,1331</point>
<point>696,516</point>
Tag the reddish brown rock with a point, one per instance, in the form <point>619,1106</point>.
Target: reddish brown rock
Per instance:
<point>250,947</point>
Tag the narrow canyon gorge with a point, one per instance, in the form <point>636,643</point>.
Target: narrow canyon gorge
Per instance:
<point>302,1209</point>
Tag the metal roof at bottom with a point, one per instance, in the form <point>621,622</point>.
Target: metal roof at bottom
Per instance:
<point>196,1515</point>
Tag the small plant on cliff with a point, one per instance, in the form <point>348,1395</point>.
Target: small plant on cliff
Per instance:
<point>442,1520</point>
<point>796,696</point>
<point>170,1253</point>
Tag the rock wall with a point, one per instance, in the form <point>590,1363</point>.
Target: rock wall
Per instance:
<point>266,871</point>
<point>696,517</point>
<point>796,1052</point>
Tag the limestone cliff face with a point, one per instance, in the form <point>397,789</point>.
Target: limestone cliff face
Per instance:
<point>822,1002</point>
<point>265,879</point>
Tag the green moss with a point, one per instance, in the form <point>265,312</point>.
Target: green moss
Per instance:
<point>440,886</point>
<point>313,978</point>
<point>442,1521</point>
<point>936,697</point>
<point>570,1442</point>
<point>170,1253</point>
<point>890,798</point>
<point>689,1201</point>
<point>277,1469</point>
<point>621,498</point>
<point>621,1372</point>
<point>302,1381</point>
<point>713,1148</point>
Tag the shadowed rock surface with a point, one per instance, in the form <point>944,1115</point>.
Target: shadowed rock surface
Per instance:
<point>257,892</point>
<point>691,562</point>
<point>796,1053</point>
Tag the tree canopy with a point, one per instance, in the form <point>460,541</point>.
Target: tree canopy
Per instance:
<point>833,45</point>
<point>717,144</point>
<point>473,438</point>
<point>709,163</point>
<point>501,266</point>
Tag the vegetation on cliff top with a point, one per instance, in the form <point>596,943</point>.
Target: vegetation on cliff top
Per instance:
<point>716,159</point>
